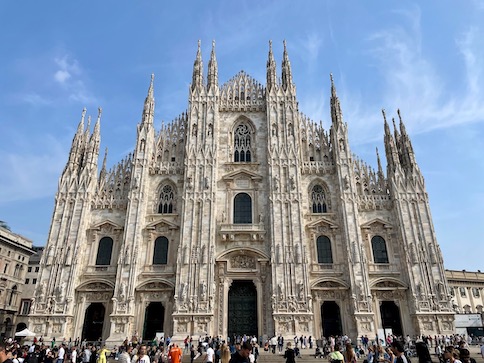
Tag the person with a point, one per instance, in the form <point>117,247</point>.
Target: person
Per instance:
<point>102,355</point>
<point>61,354</point>
<point>451,355</point>
<point>142,356</point>
<point>389,356</point>
<point>74,354</point>
<point>482,350</point>
<point>175,354</point>
<point>124,356</point>
<point>86,355</point>
<point>350,355</point>
<point>224,353</point>
<point>210,354</point>
<point>465,356</point>
<point>289,354</point>
<point>423,352</point>
<point>5,353</point>
<point>335,356</point>
<point>241,355</point>
<point>192,354</point>
<point>398,350</point>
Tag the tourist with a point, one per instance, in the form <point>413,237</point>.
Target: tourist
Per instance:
<point>350,355</point>
<point>5,353</point>
<point>241,355</point>
<point>465,356</point>
<point>423,353</point>
<point>290,354</point>
<point>451,355</point>
<point>335,356</point>
<point>224,353</point>
<point>175,354</point>
<point>398,350</point>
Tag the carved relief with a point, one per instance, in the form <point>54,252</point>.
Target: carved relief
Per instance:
<point>243,262</point>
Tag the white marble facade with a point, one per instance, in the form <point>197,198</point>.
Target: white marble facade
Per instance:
<point>241,188</point>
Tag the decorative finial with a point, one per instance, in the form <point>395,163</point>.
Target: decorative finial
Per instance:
<point>270,45</point>
<point>99,112</point>
<point>384,114</point>
<point>213,44</point>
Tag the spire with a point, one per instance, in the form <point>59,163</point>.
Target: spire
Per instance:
<point>286,70</point>
<point>406,145</point>
<point>77,139</point>
<point>336,114</point>
<point>103,172</point>
<point>390,148</point>
<point>197,78</point>
<point>271,69</point>
<point>212,69</point>
<point>149,106</point>
<point>380,169</point>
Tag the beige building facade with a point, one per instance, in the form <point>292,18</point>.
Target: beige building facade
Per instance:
<point>15,251</point>
<point>241,216</point>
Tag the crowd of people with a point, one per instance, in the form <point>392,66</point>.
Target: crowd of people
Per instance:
<point>245,349</point>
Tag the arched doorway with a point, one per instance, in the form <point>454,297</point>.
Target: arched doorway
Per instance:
<point>154,320</point>
<point>20,327</point>
<point>331,319</point>
<point>390,317</point>
<point>93,322</point>
<point>242,314</point>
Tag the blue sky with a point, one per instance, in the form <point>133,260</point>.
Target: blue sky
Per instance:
<point>426,58</point>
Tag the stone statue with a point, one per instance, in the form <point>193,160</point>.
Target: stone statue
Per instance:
<point>203,290</point>
<point>122,291</point>
<point>183,292</point>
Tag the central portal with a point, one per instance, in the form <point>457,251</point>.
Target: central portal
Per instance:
<point>242,317</point>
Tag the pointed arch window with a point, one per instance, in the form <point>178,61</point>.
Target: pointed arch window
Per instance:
<point>104,251</point>
<point>167,200</point>
<point>325,254</point>
<point>379,247</point>
<point>242,208</point>
<point>160,253</point>
<point>318,200</point>
<point>242,144</point>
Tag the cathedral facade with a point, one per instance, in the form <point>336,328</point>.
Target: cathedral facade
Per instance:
<point>241,216</point>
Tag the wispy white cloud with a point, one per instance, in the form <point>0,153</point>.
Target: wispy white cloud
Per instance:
<point>412,82</point>
<point>61,76</point>
<point>34,99</point>
<point>45,163</point>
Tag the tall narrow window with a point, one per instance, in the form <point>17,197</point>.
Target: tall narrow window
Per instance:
<point>167,199</point>
<point>242,208</point>
<point>13,296</point>
<point>242,147</point>
<point>104,251</point>
<point>318,199</point>
<point>160,253</point>
<point>325,254</point>
<point>379,246</point>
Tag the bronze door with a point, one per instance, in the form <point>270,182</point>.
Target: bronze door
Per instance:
<point>242,314</point>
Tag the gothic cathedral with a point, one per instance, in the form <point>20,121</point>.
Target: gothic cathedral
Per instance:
<point>241,216</point>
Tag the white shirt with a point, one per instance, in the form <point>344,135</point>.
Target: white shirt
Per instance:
<point>74,356</point>
<point>144,359</point>
<point>210,354</point>
<point>61,353</point>
<point>482,350</point>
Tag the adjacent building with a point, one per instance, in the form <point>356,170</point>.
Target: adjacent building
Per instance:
<point>241,216</point>
<point>467,291</point>
<point>15,252</point>
<point>28,291</point>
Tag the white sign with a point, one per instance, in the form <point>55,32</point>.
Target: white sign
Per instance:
<point>468,320</point>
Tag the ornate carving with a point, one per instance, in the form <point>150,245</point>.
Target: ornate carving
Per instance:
<point>243,262</point>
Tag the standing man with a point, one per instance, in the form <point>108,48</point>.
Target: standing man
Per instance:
<point>242,355</point>
<point>175,354</point>
<point>210,354</point>
<point>61,354</point>
<point>74,354</point>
